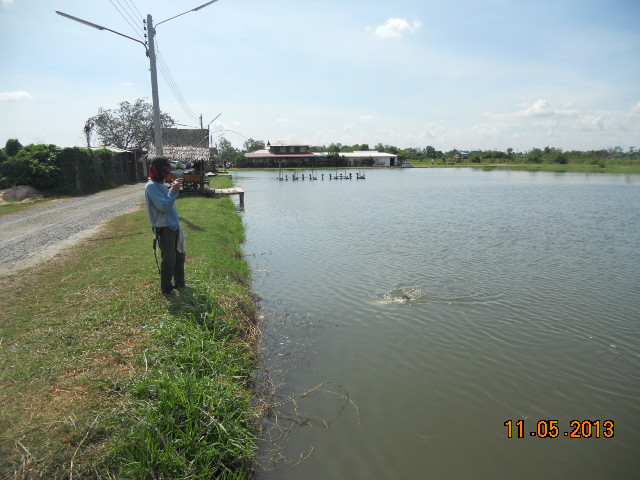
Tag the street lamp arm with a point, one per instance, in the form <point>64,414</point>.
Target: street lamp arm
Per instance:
<point>203,5</point>
<point>99,27</point>
<point>214,119</point>
<point>151,53</point>
<point>192,10</point>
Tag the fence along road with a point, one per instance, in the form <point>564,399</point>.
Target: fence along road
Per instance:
<point>36,235</point>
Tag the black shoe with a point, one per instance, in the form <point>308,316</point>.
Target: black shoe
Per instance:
<point>173,293</point>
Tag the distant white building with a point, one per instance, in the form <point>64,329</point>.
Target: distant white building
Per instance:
<point>295,154</point>
<point>282,153</point>
<point>376,159</point>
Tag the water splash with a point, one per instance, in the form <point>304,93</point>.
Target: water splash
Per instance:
<point>401,295</point>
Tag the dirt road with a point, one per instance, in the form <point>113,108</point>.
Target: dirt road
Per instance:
<point>29,237</point>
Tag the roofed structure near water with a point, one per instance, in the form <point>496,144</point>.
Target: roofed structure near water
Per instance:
<point>291,152</point>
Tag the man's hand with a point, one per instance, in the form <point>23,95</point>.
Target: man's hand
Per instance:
<point>175,186</point>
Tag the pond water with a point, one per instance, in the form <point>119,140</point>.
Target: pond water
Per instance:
<point>410,315</point>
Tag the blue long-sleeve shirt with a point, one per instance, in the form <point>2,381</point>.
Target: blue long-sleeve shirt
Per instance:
<point>161,205</point>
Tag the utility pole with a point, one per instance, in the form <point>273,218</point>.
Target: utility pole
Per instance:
<point>157,127</point>
<point>151,53</point>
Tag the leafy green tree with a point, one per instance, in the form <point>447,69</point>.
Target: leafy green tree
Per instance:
<point>361,148</point>
<point>12,147</point>
<point>130,126</point>
<point>226,151</point>
<point>33,165</point>
<point>251,145</point>
<point>560,157</point>
<point>453,154</point>
<point>334,148</point>
<point>429,152</point>
<point>410,153</point>
<point>386,148</point>
<point>615,152</point>
<point>535,156</point>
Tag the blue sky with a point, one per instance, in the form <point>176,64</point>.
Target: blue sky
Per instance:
<point>460,74</point>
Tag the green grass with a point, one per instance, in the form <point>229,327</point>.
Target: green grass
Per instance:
<point>102,377</point>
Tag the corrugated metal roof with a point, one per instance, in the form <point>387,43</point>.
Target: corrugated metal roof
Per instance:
<point>113,149</point>
<point>268,154</point>
<point>366,154</point>
<point>287,143</point>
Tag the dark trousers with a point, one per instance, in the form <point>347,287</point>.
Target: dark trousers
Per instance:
<point>172,266</point>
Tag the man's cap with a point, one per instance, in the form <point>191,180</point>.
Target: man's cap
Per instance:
<point>161,162</point>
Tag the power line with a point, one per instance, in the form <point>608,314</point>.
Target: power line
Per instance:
<point>166,73</point>
<point>174,87</point>
<point>126,14</point>
<point>130,11</point>
<point>133,5</point>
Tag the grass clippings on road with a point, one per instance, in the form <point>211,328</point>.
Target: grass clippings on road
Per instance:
<point>102,377</point>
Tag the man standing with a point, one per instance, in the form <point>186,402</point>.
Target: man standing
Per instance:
<point>165,221</point>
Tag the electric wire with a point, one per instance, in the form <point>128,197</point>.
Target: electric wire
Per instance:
<point>133,14</point>
<point>166,73</point>
<point>136,19</point>
<point>164,70</point>
<point>138,31</point>
<point>133,7</point>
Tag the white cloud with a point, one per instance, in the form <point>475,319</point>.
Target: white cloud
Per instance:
<point>590,122</point>
<point>486,130</point>
<point>283,120</point>
<point>433,130</point>
<point>542,108</point>
<point>126,84</point>
<point>6,3</point>
<point>366,118</point>
<point>14,96</point>
<point>396,27</point>
<point>550,125</point>
<point>571,126</point>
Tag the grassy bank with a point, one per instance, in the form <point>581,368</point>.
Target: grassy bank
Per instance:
<point>101,377</point>
<point>601,167</point>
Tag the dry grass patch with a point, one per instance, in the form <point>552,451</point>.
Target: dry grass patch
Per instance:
<point>69,329</point>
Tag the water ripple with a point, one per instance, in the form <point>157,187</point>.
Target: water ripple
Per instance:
<point>451,304</point>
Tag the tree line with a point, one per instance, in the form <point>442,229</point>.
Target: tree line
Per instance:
<point>430,155</point>
<point>130,126</point>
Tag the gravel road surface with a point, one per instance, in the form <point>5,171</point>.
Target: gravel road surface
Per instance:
<point>36,235</point>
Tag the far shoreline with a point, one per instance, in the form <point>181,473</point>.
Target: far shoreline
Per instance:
<point>530,167</point>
